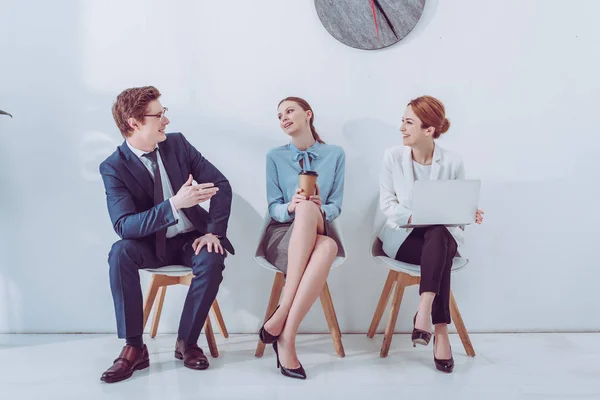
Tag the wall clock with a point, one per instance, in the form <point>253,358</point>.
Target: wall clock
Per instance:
<point>369,24</point>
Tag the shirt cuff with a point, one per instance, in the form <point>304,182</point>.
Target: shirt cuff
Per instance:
<point>175,212</point>
<point>283,213</point>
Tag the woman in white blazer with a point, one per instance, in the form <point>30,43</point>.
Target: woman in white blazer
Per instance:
<point>433,247</point>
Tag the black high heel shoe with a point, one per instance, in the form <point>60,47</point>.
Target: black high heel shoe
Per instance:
<point>296,373</point>
<point>446,366</point>
<point>265,336</point>
<point>419,336</point>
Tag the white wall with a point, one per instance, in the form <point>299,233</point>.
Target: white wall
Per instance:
<point>519,79</point>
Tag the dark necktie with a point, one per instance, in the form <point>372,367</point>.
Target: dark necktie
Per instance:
<point>161,236</point>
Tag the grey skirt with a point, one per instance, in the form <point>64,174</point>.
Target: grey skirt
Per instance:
<point>277,241</point>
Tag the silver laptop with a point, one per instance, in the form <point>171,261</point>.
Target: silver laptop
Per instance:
<point>447,202</point>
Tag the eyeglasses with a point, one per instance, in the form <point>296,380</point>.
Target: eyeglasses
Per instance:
<point>161,115</point>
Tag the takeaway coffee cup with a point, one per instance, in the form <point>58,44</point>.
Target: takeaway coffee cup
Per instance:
<point>307,182</point>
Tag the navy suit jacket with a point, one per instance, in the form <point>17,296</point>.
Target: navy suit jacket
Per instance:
<point>130,192</point>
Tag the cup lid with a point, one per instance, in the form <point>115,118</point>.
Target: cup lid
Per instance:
<point>305,172</point>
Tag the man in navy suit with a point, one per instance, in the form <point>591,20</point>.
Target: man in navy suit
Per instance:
<point>153,206</point>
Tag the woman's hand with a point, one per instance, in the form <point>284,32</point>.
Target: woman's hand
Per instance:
<point>295,200</point>
<point>316,198</point>
<point>479,216</point>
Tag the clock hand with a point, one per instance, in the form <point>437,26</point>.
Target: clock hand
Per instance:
<point>386,18</point>
<point>375,19</point>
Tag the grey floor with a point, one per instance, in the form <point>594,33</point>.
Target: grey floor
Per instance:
<point>507,366</point>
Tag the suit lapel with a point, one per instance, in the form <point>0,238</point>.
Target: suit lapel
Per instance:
<point>436,163</point>
<point>138,170</point>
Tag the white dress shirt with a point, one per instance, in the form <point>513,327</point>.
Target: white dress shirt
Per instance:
<point>422,172</point>
<point>183,223</point>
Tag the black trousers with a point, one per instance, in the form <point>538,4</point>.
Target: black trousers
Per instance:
<point>433,248</point>
<point>127,257</point>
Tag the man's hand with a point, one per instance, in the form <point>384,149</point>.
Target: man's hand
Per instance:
<point>190,195</point>
<point>210,241</point>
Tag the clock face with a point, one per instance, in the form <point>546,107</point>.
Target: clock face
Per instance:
<point>369,24</point>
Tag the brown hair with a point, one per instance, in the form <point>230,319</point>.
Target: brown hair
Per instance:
<point>132,103</point>
<point>306,107</point>
<point>431,112</point>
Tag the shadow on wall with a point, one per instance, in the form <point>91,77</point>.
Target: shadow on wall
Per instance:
<point>96,235</point>
<point>366,141</point>
<point>10,295</point>
<point>243,295</point>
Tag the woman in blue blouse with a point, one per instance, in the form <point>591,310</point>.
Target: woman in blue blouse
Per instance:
<point>296,240</point>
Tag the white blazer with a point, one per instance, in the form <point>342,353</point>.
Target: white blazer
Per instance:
<point>396,182</point>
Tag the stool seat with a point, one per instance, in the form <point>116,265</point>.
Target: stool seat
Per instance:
<point>171,270</point>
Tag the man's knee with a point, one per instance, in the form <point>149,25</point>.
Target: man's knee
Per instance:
<point>208,265</point>
<point>122,250</point>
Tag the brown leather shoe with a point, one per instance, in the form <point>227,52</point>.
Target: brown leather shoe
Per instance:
<point>130,359</point>
<point>193,357</point>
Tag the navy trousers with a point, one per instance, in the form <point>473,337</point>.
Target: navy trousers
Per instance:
<point>128,256</point>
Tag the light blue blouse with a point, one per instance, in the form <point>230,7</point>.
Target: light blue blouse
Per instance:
<point>282,177</point>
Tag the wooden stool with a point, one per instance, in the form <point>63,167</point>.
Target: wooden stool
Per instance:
<point>178,275</point>
<point>401,276</point>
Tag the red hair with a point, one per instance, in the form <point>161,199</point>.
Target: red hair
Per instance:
<point>432,113</point>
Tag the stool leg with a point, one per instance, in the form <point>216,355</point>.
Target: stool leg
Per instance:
<point>210,338</point>
<point>383,300</point>
<point>460,326</point>
<point>276,290</point>
<point>334,328</point>
<point>335,318</point>
<point>391,325</point>
<point>219,318</point>
<point>162,291</point>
